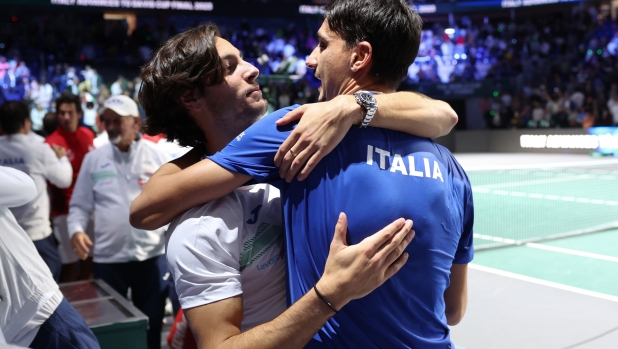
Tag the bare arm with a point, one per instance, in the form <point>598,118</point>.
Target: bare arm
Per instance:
<point>173,190</point>
<point>351,272</point>
<point>323,126</point>
<point>456,295</point>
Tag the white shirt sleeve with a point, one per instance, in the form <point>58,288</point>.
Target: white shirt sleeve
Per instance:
<point>58,171</point>
<point>82,200</point>
<point>203,252</point>
<point>16,188</point>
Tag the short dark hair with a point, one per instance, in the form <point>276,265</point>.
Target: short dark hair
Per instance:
<point>391,27</point>
<point>50,123</point>
<point>13,115</point>
<point>69,98</point>
<point>186,62</point>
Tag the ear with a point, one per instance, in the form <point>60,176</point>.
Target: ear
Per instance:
<point>361,56</point>
<point>191,100</point>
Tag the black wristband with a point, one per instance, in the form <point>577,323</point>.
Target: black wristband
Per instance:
<point>324,299</point>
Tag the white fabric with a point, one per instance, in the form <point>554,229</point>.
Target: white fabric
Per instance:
<point>101,140</point>
<point>28,291</point>
<point>107,184</point>
<point>61,232</point>
<point>38,160</point>
<point>35,137</point>
<point>229,247</point>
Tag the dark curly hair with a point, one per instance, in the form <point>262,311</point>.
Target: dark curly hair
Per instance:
<point>69,98</point>
<point>186,62</point>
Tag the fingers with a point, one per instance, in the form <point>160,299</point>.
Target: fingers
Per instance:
<point>400,246</point>
<point>80,243</point>
<point>284,149</point>
<point>81,250</point>
<point>310,165</point>
<point>376,241</point>
<point>297,163</point>
<point>341,229</point>
<point>396,266</point>
<point>294,115</point>
<point>391,246</point>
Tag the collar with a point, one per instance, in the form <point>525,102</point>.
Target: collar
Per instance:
<point>15,136</point>
<point>65,133</point>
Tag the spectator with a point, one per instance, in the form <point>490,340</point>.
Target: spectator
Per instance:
<point>36,159</point>
<point>78,141</point>
<point>34,312</point>
<point>110,178</point>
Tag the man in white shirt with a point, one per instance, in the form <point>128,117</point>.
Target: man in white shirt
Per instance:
<point>33,312</point>
<point>18,149</point>
<point>109,179</point>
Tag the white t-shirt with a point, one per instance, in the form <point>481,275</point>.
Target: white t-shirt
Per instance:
<point>231,246</point>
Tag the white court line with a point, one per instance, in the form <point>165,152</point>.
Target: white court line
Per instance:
<point>484,190</point>
<point>573,164</point>
<point>573,252</point>
<point>544,282</point>
<point>534,181</point>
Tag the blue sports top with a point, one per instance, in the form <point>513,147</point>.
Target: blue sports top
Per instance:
<point>375,176</point>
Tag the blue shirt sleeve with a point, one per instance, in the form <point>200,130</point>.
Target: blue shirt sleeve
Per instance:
<point>253,151</point>
<point>465,248</point>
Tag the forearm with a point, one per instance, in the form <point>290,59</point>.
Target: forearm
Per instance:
<point>292,329</point>
<point>415,114</point>
<point>408,112</point>
<point>171,192</point>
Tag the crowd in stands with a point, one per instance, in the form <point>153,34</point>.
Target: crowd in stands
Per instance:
<point>559,68</point>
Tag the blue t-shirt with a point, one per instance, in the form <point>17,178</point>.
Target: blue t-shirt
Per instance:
<point>375,176</point>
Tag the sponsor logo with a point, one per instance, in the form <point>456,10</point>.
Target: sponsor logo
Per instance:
<point>266,236</point>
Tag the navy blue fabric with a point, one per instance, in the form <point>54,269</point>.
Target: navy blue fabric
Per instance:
<point>148,289</point>
<point>48,250</point>
<point>375,176</point>
<point>65,329</point>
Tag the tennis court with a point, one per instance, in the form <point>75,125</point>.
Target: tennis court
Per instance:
<point>545,273</point>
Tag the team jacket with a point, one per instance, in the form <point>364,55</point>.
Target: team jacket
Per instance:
<point>37,160</point>
<point>27,288</point>
<point>109,180</point>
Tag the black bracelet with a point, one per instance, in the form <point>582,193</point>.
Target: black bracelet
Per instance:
<point>324,299</point>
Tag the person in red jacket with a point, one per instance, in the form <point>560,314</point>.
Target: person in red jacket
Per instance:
<point>77,141</point>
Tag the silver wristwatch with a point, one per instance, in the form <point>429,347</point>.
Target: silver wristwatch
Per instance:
<point>367,101</point>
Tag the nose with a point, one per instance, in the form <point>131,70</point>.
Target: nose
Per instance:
<point>312,61</point>
<point>251,73</point>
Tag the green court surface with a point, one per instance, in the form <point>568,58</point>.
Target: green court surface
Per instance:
<point>588,262</point>
<point>521,205</point>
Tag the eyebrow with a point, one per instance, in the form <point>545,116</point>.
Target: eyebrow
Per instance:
<point>321,36</point>
<point>231,55</point>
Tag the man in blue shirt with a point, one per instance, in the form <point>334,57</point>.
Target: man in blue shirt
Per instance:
<point>374,175</point>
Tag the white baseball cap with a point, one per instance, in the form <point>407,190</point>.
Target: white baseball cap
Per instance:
<point>122,105</point>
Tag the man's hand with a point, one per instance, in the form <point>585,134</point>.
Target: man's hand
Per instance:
<point>353,272</point>
<point>81,244</point>
<point>60,151</point>
<point>322,127</point>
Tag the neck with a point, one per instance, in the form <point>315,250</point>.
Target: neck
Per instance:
<point>216,141</point>
<point>123,147</point>
<point>363,84</point>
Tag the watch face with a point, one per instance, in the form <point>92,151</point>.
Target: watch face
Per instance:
<point>365,98</point>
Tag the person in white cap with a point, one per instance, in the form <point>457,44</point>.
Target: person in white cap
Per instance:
<point>109,180</point>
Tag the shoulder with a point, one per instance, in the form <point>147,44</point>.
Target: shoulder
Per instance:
<point>225,209</point>
<point>54,138</point>
<point>98,153</point>
<point>85,133</point>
